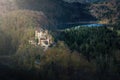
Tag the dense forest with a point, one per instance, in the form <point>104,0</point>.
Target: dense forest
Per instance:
<point>77,53</point>
<point>97,44</point>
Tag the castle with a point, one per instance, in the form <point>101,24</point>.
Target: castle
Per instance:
<point>44,39</point>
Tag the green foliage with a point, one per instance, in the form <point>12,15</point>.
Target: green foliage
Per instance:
<point>26,55</point>
<point>60,63</point>
<point>91,48</point>
<point>95,43</point>
<point>57,62</point>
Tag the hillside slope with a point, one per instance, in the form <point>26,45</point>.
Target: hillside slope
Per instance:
<point>6,6</point>
<point>107,11</point>
<point>58,10</point>
<point>55,10</point>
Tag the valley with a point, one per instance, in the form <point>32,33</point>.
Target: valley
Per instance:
<point>59,40</point>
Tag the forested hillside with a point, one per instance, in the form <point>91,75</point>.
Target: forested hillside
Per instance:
<point>108,11</point>
<point>82,52</point>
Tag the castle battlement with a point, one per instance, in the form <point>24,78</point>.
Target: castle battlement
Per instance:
<point>42,38</point>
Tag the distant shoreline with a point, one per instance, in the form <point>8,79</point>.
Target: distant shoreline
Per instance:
<point>83,22</point>
<point>73,24</point>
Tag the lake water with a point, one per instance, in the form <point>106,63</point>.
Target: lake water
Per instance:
<point>65,26</point>
<point>92,25</point>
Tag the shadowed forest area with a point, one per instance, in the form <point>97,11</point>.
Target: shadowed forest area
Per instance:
<point>75,53</point>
